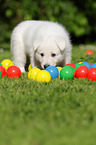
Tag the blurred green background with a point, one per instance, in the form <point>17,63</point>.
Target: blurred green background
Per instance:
<point>78,16</point>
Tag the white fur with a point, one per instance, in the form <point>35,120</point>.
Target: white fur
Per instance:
<point>35,37</point>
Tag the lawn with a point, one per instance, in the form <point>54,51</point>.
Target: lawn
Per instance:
<point>62,112</point>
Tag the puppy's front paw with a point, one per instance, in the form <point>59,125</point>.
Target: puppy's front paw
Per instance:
<point>22,69</point>
<point>33,66</point>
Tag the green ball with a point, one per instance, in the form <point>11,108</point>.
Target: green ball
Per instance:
<point>0,74</point>
<point>78,65</point>
<point>67,73</point>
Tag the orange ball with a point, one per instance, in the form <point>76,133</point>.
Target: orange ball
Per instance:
<point>89,52</point>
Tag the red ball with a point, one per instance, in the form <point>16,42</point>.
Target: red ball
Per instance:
<point>81,72</point>
<point>13,72</point>
<point>89,52</point>
<point>71,64</point>
<point>3,71</point>
<point>91,63</point>
<point>92,74</point>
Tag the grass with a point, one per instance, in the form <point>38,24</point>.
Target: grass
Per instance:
<point>60,112</point>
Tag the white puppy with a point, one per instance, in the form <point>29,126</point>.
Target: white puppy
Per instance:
<point>46,43</point>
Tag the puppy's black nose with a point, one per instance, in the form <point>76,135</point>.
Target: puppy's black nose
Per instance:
<point>46,65</point>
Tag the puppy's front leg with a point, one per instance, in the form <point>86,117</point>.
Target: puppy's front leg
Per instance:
<point>67,59</point>
<point>32,61</point>
<point>18,52</point>
<point>68,56</point>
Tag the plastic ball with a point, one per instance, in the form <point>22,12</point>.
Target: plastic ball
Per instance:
<point>13,72</point>
<point>93,65</point>
<point>57,65</point>
<point>81,72</point>
<point>78,65</point>
<point>71,64</point>
<point>29,67</point>
<point>54,72</point>
<point>92,74</point>
<point>80,62</point>
<point>87,64</point>
<point>3,71</point>
<point>32,73</point>
<point>43,76</point>
<point>59,68</point>
<point>67,73</point>
<point>89,52</point>
<point>6,63</point>
<point>0,74</point>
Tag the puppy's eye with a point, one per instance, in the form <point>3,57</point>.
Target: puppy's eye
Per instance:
<point>53,54</point>
<point>42,54</point>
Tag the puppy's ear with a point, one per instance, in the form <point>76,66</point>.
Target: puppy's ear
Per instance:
<point>61,44</point>
<point>36,44</point>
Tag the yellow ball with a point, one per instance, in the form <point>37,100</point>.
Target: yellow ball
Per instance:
<point>79,62</point>
<point>59,68</point>
<point>32,73</point>
<point>6,63</point>
<point>43,76</point>
<point>30,67</point>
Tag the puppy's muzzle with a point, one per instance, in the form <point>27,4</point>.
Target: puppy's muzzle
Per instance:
<point>46,65</point>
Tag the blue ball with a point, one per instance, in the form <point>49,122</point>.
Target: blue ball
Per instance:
<point>57,65</point>
<point>54,72</point>
<point>93,65</point>
<point>87,64</point>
